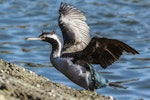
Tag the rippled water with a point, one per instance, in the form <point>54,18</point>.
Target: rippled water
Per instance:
<point>126,20</point>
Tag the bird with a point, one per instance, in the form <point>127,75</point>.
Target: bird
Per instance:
<point>79,44</point>
<point>83,74</point>
<point>76,56</point>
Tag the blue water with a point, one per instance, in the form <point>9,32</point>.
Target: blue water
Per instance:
<point>126,20</point>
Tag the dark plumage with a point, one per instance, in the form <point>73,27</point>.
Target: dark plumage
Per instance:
<point>78,43</point>
<point>103,51</point>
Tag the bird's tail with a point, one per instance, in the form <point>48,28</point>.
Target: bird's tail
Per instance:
<point>114,84</point>
<point>117,84</point>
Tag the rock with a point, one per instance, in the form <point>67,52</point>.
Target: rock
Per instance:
<point>18,83</point>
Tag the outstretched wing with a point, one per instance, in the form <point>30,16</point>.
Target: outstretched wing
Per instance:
<point>103,51</point>
<point>75,30</point>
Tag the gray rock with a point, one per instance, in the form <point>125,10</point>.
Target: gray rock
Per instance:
<point>17,83</point>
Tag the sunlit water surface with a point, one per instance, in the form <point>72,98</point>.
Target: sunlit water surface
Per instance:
<point>126,20</point>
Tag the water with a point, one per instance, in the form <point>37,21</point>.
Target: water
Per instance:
<point>126,20</point>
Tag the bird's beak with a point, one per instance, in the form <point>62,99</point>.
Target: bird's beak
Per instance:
<point>35,38</point>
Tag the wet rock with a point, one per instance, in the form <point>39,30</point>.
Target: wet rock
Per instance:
<point>17,83</point>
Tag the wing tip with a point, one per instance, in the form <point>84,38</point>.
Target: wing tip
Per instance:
<point>63,4</point>
<point>129,49</point>
<point>135,52</point>
<point>67,8</point>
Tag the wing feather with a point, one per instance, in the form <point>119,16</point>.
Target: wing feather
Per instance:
<point>103,51</point>
<point>78,44</point>
<point>75,30</point>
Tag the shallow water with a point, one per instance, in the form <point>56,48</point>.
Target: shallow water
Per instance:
<point>126,20</point>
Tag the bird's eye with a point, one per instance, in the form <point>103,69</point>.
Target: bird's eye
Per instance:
<point>43,37</point>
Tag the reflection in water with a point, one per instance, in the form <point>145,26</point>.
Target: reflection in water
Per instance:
<point>139,67</point>
<point>126,20</point>
<point>6,52</point>
<point>145,59</point>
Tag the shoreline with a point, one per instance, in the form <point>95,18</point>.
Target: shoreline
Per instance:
<point>18,83</point>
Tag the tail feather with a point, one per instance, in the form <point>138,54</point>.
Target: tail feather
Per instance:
<point>113,84</point>
<point>117,84</point>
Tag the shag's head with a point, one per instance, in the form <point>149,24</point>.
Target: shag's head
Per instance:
<point>50,37</point>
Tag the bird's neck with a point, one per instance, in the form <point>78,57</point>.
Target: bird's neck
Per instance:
<point>56,48</point>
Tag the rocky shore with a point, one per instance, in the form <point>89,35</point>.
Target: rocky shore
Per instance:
<point>17,83</point>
